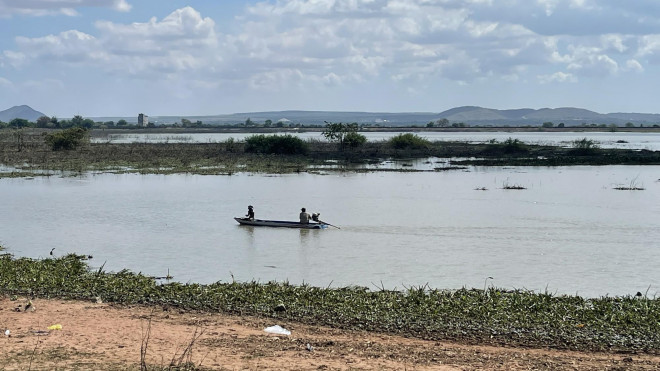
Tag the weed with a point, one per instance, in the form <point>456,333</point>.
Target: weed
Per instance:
<point>490,315</point>
<point>507,185</point>
<point>632,186</point>
<point>584,146</point>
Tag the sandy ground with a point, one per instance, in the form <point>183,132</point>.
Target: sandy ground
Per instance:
<point>97,336</point>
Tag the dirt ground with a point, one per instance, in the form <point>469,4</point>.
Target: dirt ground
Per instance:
<point>97,336</point>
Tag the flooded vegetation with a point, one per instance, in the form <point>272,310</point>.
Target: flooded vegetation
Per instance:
<point>489,315</point>
<point>30,152</point>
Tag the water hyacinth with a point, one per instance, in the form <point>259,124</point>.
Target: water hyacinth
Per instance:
<point>493,316</point>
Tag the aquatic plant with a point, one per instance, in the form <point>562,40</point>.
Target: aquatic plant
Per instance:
<point>632,186</point>
<point>507,185</point>
<point>491,315</point>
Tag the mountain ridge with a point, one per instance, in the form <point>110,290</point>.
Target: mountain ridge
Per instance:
<point>470,115</point>
<point>21,112</point>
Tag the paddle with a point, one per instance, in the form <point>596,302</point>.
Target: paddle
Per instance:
<point>322,222</point>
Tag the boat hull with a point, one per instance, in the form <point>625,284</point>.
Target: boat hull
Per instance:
<point>279,223</point>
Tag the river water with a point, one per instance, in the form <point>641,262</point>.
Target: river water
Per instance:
<point>568,232</point>
<point>623,140</point>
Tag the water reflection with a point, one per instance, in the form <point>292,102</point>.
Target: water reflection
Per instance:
<point>627,140</point>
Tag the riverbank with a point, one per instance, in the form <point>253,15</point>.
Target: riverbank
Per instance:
<point>421,321</point>
<point>103,336</point>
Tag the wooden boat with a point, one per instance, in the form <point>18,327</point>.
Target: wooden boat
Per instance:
<point>280,223</point>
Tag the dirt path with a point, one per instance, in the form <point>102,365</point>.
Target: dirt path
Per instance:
<point>105,337</point>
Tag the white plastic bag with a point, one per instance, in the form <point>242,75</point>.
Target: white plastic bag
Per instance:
<point>277,329</point>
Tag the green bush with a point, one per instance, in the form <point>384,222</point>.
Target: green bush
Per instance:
<point>408,141</point>
<point>275,144</point>
<point>514,146</point>
<point>354,140</point>
<point>584,146</point>
<point>67,139</point>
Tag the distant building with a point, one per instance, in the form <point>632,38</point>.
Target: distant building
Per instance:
<point>143,120</point>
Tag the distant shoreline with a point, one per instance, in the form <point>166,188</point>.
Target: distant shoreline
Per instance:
<point>395,129</point>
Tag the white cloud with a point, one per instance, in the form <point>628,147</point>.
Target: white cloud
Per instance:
<point>633,65</point>
<point>181,41</point>
<point>557,77</point>
<point>337,42</point>
<point>5,82</point>
<point>51,7</point>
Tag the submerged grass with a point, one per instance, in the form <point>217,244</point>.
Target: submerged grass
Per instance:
<point>521,318</point>
<point>32,156</point>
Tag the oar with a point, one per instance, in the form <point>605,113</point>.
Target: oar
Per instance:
<point>322,222</point>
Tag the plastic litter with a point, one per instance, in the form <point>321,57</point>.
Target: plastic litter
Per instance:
<point>55,327</point>
<point>277,329</point>
<point>7,332</point>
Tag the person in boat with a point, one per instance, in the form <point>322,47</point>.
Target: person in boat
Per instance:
<point>250,213</point>
<point>304,216</point>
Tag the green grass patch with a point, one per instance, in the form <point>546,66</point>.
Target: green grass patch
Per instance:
<point>408,141</point>
<point>479,316</point>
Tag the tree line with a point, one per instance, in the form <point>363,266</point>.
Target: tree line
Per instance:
<point>53,122</point>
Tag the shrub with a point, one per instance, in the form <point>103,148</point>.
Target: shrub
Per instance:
<point>514,146</point>
<point>584,146</point>
<point>354,140</point>
<point>67,139</point>
<point>408,141</point>
<point>275,144</point>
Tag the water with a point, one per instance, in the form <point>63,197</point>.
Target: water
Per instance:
<point>623,140</point>
<point>568,232</point>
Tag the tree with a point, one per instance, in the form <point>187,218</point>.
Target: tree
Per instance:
<point>185,123</point>
<point>630,125</point>
<point>336,132</point>
<point>561,125</point>
<point>43,121</point>
<point>55,122</point>
<point>268,123</point>
<point>19,123</point>
<point>122,122</point>
<point>430,124</point>
<point>443,122</point>
<point>77,120</point>
<point>88,123</point>
<point>548,124</point>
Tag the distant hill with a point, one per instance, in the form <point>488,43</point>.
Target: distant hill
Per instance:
<point>21,112</point>
<point>471,115</point>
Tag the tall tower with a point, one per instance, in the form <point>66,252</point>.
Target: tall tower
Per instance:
<point>143,120</point>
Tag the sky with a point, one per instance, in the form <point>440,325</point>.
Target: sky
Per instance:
<point>199,57</point>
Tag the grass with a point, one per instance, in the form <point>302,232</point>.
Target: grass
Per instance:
<point>490,316</point>
<point>632,186</point>
<point>27,154</point>
<point>507,185</point>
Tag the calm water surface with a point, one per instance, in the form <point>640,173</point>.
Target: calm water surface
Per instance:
<point>569,231</point>
<point>650,141</point>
